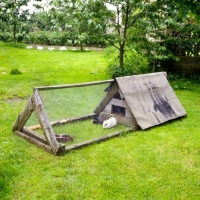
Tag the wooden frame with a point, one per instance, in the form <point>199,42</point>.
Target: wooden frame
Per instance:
<point>48,142</point>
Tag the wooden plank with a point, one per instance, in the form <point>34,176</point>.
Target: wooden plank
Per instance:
<point>39,140</point>
<point>98,139</point>
<point>34,135</point>
<point>64,121</point>
<point>134,124</point>
<point>73,85</point>
<point>44,122</point>
<point>23,116</point>
<point>34,141</point>
<point>107,98</point>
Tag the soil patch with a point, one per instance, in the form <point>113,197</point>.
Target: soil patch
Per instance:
<point>14,100</point>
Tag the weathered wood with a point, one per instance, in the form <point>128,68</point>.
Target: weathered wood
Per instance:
<point>64,121</point>
<point>107,98</point>
<point>72,85</point>
<point>23,116</point>
<point>34,141</point>
<point>134,124</point>
<point>39,140</point>
<point>98,139</point>
<point>34,135</point>
<point>44,122</point>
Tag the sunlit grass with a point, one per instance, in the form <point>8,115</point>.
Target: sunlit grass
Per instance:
<point>84,130</point>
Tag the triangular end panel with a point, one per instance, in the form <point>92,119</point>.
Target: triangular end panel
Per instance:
<point>113,104</point>
<point>47,141</point>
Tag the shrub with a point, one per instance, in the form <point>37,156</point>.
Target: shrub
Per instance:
<point>46,37</point>
<point>20,36</point>
<point>15,71</point>
<point>115,71</point>
<point>15,44</point>
<point>134,63</point>
<point>6,36</point>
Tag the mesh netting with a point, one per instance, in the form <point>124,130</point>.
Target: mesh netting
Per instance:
<point>68,103</point>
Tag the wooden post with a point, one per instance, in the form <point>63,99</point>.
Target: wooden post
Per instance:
<point>65,121</point>
<point>34,141</point>
<point>23,116</point>
<point>134,124</point>
<point>98,139</point>
<point>39,137</point>
<point>44,122</point>
<point>73,85</point>
<point>107,98</point>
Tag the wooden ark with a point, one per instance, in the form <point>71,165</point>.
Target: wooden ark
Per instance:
<point>138,101</point>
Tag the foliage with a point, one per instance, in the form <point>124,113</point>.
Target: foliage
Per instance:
<point>134,20</point>
<point>134,63</point>
<point>150,38</point>
<point>141,25</point>
<point>6,36</point>
<point>183,8</point>
<point>82,20</point>
<point>125,15</point>
<point>186,37</point>
<point>12,14</point>
<point>47,37</point>
<point>41,21</point>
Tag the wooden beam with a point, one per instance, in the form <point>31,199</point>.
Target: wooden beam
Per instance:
<point>23,116</point>
<point>44,122</point>
<point>34,135</point>
<point>128,109</point>
<point>107,98</point>
<point>72,85</point>
<point>64,121</point>
<point>98,139</point>
<point>34,141</point>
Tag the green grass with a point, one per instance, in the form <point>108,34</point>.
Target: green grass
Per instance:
<point>159,163</point>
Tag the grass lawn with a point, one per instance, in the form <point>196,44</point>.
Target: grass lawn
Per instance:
<point>159,163</point>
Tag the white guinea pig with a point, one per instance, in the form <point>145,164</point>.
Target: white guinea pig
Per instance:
<point>111,122</point>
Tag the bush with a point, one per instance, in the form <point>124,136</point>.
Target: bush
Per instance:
<point>115,71</point>
<point>15,71</point>
<point>46,37</point>
<point>15,44</point>
<point>6,36</point>
<point>134,63</point>
<point>20,36</point>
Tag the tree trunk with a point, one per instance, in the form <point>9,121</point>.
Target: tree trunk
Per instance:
<point>15,23</point>
<point>14,32</point>
<point>81,46</point>
<point>121,58</point>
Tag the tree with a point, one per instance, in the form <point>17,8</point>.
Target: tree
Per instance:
<point>183,8</point>
<point>83,20</point>
<point>137,21</point>
<point>12,14</point>
<point>126,16</point>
